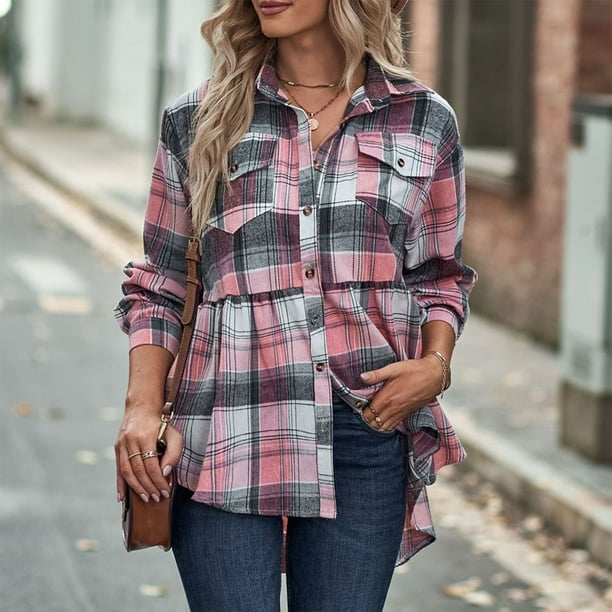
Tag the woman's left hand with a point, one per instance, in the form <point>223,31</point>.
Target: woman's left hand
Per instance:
<point>408,386</point>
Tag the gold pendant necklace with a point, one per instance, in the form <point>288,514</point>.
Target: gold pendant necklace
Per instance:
<point>312,122</point>
<point>293,84</point>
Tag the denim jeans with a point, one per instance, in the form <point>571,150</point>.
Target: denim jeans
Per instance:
<point>231,562</point>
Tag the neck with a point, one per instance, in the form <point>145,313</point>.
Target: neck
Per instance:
<point>310,58</point>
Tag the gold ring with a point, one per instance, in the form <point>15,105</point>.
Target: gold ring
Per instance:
<point>149,454</point>
<point>379,421</point>
<point>133,455</point>
<point>373,411</point>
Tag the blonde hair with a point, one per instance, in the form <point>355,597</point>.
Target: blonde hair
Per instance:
<point>240,49</point>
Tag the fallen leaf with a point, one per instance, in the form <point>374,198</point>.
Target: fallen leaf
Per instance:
<point>480,598</point>
<point>521,594</point>
<point>153,590</point>
<point>532,523</point>
<point>461,589</point>
<point>87,545</point>
<point>86,457</point>
<point>577,555</point>
<point>534,557</point>
<point>65,304</point>
<point>22,409</point>
<point>514,379</point>
<point>494,505</point>
<point>548,605</point>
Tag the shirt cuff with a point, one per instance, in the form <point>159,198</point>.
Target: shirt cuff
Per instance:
<point>448,315</point>
<point>157,332</point>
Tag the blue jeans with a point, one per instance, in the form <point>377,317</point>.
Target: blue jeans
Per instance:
<point>231,562</point>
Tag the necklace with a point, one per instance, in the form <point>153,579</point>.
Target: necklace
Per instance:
<point>312,122</point>
<point>293,84</point>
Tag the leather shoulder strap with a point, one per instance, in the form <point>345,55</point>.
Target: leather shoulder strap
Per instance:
<point>192,299</point>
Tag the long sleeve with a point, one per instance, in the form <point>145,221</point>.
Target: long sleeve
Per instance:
<point>433,268</point>
<point>154,291</point>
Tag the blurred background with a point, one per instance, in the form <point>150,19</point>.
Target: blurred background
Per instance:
<point>82,87</point>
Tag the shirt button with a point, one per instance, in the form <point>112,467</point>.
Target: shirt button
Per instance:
<point>308,210</point>
<point>320,367</point>
<point>401,163</point>
<point>233,168</point>
<point>310,272</point>
<point>315,319</point>
<point>318,165</point>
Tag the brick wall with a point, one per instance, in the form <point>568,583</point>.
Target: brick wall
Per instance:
<point>515,239</point>
<point>595,50</point>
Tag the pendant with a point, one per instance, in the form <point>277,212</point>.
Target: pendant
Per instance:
<point>313,123</point>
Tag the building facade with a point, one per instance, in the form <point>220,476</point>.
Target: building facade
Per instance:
<point>512,70</point>
<point>112,61</point>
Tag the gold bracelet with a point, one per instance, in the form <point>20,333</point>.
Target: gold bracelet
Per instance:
<point>445,371</point>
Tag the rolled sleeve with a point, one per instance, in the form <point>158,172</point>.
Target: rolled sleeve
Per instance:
<point>433,269</point>
<point>155,288</point>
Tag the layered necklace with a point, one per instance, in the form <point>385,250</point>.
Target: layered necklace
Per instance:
<point>312,122</point>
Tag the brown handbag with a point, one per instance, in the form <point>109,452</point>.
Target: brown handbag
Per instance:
<point>150,524</point>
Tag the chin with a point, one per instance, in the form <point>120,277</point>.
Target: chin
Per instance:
<point>278,30</point>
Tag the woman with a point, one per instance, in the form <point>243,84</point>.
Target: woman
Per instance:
<point>327,189</point>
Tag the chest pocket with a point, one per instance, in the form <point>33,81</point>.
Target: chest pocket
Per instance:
<point>394,173</point>
<point>252,184</point>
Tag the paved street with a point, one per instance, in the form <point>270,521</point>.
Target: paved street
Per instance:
<point>62,378</point>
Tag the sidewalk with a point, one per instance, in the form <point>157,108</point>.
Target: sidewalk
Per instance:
<point>504,395</point>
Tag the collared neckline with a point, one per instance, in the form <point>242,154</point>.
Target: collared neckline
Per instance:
<point>376,92</point>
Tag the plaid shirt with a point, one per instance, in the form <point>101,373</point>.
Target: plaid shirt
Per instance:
<point>313,271</point>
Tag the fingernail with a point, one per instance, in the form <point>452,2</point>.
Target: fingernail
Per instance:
<point>167,469</point>
<point>155,498</point>
<point>365,376</point>
<point>144,497</point>
<point>165,494</point>
<point>118,497</point>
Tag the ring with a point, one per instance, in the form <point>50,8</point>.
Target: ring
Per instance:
<point>149,454</point>
<point>373,411</point>
<point>379,421</point>
<point>133,455</point>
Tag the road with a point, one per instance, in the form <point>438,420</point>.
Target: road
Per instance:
<point>62,378</point>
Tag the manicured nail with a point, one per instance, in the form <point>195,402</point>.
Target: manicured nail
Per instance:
<point>155,498</point>
<point>365,376</point>
<point>165,494</point>
<point>118,497</point>
<point>167,469</point>
<point>144,497</point>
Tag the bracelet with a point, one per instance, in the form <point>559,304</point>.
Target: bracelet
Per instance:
<point>445,371</point>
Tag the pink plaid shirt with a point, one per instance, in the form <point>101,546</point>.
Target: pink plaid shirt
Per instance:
<point>313,271</point>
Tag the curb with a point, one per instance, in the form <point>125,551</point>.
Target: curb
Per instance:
<point>583,518</point>
<point>108,210</point>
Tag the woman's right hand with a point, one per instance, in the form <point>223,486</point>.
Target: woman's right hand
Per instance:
<point>137,436</point>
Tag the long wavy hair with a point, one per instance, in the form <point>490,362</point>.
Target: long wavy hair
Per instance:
<point>240,49</point>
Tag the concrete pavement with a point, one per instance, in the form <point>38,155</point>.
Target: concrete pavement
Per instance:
<point>503,402</point>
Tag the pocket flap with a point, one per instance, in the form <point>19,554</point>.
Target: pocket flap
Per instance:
<point>253,152</point>
<point>251,189</point>
<point>407,154</point>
